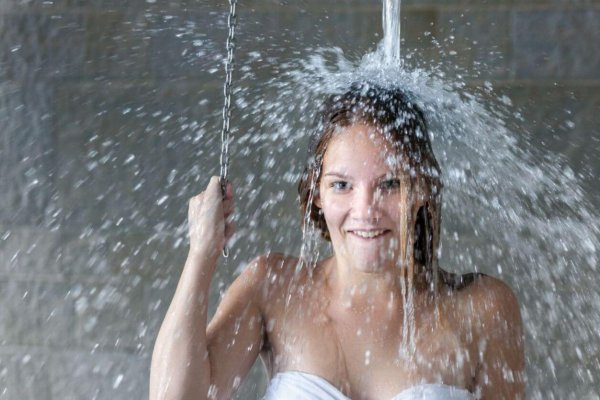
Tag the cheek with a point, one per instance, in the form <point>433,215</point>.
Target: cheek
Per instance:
<point>334,212</point>
<point>393,207</point>
<point>392,210</point>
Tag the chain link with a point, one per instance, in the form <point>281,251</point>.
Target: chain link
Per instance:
<point>225,131</point>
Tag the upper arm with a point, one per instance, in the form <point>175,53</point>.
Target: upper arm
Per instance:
<point>502,363</point>
<point>235,333</point>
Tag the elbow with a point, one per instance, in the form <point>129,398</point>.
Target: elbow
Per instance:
<point>178,381</point>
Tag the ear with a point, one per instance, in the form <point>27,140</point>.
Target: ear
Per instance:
<point>317,199</point>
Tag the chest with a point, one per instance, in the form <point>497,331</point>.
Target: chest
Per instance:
<point>367,353</point>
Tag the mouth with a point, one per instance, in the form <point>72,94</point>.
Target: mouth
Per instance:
<point>369,234</point>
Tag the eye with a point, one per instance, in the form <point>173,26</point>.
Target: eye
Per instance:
<point>340,185</point>
<point>390,184</point>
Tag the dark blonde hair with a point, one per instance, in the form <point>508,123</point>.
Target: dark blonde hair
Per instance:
<point>402,123</point>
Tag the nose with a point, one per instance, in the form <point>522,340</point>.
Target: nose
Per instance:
<point>365,205</point>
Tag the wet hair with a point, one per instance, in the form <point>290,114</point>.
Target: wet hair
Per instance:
<point>403,125</point>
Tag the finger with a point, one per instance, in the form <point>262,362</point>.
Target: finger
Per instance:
<point>213,189</point>
<point>198,197</point>
<point>228,206</point>
<point>229,217</point>
<point>229,191</point>
<point>229,230</point>
<point>194,202</point>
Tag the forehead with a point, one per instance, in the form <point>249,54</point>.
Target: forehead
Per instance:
<point>358,146</point>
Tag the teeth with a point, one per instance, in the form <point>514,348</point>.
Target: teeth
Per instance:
<point>368,234</point>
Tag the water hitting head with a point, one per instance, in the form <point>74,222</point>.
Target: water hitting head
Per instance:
<point>399,130</point>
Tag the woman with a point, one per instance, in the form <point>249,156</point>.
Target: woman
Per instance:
<point>376,320</point>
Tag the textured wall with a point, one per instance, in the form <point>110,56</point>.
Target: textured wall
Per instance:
<point>109,121</point>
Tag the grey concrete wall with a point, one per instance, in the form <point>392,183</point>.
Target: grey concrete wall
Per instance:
<point>109,121</point>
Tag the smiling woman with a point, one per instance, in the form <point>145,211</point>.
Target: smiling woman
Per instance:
<point>384,160</point>
<point>360,197</point>
<point>376,320</point>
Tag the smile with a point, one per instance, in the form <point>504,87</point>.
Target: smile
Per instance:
<point>370,234</point>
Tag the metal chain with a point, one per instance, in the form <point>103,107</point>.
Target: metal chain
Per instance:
<point>225,131</point>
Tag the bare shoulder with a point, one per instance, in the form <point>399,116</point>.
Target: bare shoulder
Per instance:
<point>270,271</point>
<point>252,280</point>
<point>494,305</point>
<point>499,333</point>
<point>270,263</point>
<point>253,287</point>
<point>489,313</point>
<point>261,266</point>
<point>495,296</point>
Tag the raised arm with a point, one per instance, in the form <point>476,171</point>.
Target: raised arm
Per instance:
<point>190,361</point>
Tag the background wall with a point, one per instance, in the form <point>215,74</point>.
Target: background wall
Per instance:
<point>109,121</point>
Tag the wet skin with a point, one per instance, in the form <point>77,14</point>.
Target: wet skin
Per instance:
<point>345,320</point>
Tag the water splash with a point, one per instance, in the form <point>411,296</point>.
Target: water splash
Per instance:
<point>510,209</point>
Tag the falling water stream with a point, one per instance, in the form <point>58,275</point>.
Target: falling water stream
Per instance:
<point>391,30</point>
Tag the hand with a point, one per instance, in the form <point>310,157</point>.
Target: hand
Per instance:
<point>208,218</point>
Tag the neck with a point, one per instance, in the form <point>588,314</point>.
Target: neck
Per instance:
<point>359,288</point>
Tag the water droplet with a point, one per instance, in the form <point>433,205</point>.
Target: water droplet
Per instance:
<point>162,200</point>
<point>118,381</point>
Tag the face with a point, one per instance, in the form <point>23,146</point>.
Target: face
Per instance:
<point>360,195</point>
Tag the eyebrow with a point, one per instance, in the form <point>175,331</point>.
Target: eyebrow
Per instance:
<point>336,174</point>
<point>344,176</point>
